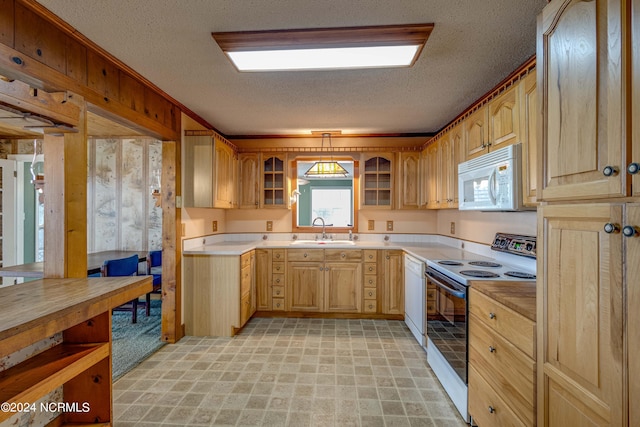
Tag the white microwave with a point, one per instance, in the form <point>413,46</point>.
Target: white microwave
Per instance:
<point>492,182</point>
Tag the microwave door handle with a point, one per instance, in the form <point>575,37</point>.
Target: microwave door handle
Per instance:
<point>492,184</point>
<point>456,293</point>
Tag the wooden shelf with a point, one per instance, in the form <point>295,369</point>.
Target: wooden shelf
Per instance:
<point>43,373</point>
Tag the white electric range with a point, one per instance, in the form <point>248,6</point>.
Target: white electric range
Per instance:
<point>447,306</point>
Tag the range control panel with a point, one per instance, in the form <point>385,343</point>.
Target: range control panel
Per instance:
<point>515,244</point>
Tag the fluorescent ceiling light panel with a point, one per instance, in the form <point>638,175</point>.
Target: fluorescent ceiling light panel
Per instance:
<point>325,48</point>
<point>321,59</point>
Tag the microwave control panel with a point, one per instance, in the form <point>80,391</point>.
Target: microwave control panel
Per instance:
<point>515,244</point>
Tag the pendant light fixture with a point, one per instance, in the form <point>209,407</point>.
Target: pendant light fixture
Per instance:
<point>326,169</point>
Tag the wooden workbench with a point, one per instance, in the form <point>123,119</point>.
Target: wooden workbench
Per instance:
<point>81,310</point>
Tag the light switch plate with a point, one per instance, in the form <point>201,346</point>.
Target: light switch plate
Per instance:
<point>269,225</point>
<point>389,225</point>
<point>371,225</point>
<point>453,227</point>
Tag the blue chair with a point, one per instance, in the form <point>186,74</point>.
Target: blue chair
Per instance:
<point>154,268</point>
<point>123,267</point>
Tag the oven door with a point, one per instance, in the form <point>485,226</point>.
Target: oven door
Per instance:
<point>447,320</point>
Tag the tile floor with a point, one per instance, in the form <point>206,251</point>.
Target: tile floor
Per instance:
<point>288,372</point>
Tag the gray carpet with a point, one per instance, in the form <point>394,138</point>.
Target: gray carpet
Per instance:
<point>134,342</point>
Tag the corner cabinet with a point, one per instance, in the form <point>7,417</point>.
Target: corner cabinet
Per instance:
<point>377,181</point>
<point>209,171</point>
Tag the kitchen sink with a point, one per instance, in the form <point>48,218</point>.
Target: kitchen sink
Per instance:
<point>323,242</point>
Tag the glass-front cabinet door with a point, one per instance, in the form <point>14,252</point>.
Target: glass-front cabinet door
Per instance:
<point>377,181</point>
<point>274,181</point>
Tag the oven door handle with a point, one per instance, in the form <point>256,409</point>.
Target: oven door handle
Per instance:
<point>455,292</point>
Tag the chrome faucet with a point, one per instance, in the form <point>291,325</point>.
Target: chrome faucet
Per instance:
<point>313,224</point>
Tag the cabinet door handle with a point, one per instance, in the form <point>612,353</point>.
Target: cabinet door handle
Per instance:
<point>492,410</point>
<point>343,255</point>
<point>371,281</point>
<point>633,168</point>
<point>370,269</point>
<point>370,293</point>
<point>305,255</point>
<point>629,231</point>
<point>388,257</point>
<point>370,256</point>
<point>492,315</point>
<point>611,228</point>
<point>370,306</point>
<point>492,349</point>
<point>610,171</point>
<point>277,280</point>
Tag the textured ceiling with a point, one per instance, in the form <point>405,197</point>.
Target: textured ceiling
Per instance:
<point>474,45</point>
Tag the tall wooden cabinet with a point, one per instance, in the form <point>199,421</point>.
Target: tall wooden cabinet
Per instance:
<point>588,329</point>
<point>408,180</point>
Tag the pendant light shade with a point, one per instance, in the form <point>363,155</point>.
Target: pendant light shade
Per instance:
<point>324,168</point>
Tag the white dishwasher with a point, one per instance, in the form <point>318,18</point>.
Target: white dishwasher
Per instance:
<point>414,297</point>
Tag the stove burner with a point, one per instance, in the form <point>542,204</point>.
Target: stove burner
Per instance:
<point>479,273</point>
<point>449,263</point>
<point>520,275</point>
<point>485,264</point>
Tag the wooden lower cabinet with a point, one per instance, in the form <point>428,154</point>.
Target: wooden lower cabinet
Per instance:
<point>393,282</point>
<point>581,374</point>
<point>343,287</point>
<point>501,355</point>
<point>220,293</point>
<point>305,286</point>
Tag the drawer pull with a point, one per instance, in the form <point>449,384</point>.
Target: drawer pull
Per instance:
<point>492,315</point>
<point>492,349</point>
<point>277,280</point>
<point>370,293</point>
<point>278,292</point>
<point>370,269</point>
<point>343,255</point>
<point>371,281</point>
<point>305,255</point>
<point>492,410</point>
<point>370,306</point>
<point>278,304</point>
<point>278,256</point>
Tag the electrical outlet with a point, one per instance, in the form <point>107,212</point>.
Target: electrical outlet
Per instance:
<point>371,225</point>
<point>214,226</point>
<point>453,227</point>
<point>389,225</point>
<point>269,225</point>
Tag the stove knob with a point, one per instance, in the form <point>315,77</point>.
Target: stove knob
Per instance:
<point>529,247</point>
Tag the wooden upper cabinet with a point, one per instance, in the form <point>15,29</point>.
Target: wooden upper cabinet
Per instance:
<point>224,176</point>
<point>579,67</point>
<point>504,119</point>
<point>432,174</point>
<point>209,173</point>
<point>424,179</point>
<point>458,155</point>
<point>249,180</point>
<point>580,317</point>
<point>634,162</point>
<point>197,190</point>
<point>476,132</point>
<point>377,181</point>
<point>274,181</point>
<point>528,129</point>
<point>408,180</point>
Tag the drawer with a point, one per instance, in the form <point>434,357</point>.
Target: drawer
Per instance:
<point>343,255</point>
<point>305,255</point>
<point>277,291</point>
<point>277,280</point>
<point>513,326</point>
<point>370,268</point>
<point>277,304</point>
<point>431,301</point>
<point>245,259</point>
<point>370,281</point>
<point>277,255</point>
<point>486,407</point>
<point>370,255</point>
<point>370,306</point>
<point>278,267</point>
<point>370,293</point>
<point>245,280</point>
<point>504,367</point>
